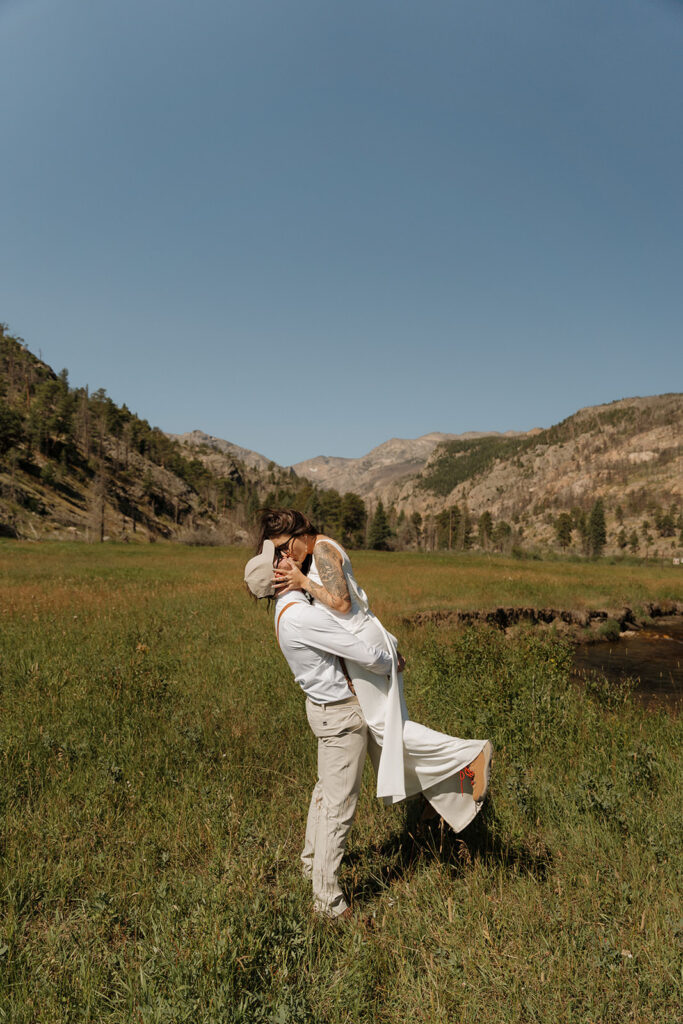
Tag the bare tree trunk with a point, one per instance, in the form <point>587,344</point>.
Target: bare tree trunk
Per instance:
<point>97,504</point>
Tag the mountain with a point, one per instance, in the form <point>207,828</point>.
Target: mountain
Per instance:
<point>628,454</point>
<point>437,487</point>
<point>385,465</point>
<point>198,441</point>
<point>75,465</point>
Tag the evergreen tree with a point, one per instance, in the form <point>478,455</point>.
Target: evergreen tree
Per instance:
<point>330,512</point>
<point>633,542</point>
<point>502,533</point>
<point>11,430</point>
<point>580,521</point>
<point>666,525</point>
<point>597,530</point>
<point>379,529</point>
<point>485,529</point>
<point>416,523</point>
<point>465,529</point>
<point>313,510</point>
<point>404,532</point>
<point>353,517</point>
<point>442,529</point>
<point>563,529</point>
<point>454,522</point>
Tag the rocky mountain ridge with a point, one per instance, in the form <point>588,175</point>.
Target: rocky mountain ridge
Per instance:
<point>382,467</point>
<point>627,453</point>
<point>73,463</point>
<point>198,440</point>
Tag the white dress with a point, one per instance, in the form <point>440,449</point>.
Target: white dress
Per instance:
<point>413,758</point>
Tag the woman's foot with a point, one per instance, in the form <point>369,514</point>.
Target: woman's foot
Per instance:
<point>481,770</point>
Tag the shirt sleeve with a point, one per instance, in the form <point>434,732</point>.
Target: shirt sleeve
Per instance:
<point>313,627</point>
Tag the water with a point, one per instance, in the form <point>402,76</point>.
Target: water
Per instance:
<point>653,656</point>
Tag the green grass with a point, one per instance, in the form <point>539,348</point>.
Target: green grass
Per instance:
<point>408,582</point>
<point>156,767</point>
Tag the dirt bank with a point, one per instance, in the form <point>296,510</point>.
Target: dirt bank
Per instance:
<point>578,624</point>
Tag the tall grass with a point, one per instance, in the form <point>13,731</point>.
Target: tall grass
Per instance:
<point>408,582</point>
<point>156,769</point>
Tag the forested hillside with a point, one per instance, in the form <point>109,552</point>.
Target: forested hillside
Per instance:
<point>607,479</point>
<point>75,464</point>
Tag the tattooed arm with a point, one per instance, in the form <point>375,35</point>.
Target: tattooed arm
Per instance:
<point>334,592</point>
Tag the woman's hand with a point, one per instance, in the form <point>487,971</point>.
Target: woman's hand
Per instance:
<point>287,577</point>
<point>401,661</point>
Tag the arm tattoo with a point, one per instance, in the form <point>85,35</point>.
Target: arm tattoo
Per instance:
<point>332,574</point>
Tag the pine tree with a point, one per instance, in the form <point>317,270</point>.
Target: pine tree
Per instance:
<point>416,523</point>
<point>563,529</point>
<point>379,529</point>
<point>666,526</point>
<point>329,514</point>
<point>454,519</point>
<point>465,529</point>
<point>352,519</point>
<point>580,521</point>
<point>485,529</point>
<point>597,530</point>
<point>501,535</point>
<point>11,428</point>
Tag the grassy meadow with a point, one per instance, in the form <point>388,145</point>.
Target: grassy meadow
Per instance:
<point>155,771</point>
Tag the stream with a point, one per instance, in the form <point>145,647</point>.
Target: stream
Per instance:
<point>653,655</point>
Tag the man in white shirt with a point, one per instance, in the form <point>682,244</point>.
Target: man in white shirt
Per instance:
<point>314,644</point>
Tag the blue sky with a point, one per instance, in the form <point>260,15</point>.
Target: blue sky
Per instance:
<point>308,226</point>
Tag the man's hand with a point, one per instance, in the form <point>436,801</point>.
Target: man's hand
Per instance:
<point>401,661</point>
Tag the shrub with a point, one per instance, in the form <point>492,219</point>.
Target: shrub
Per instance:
<point>609,629</point>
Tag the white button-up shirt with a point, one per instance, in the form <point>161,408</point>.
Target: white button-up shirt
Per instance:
<point>312,641</point>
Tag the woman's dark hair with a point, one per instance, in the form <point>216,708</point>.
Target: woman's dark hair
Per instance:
<point>275,521</point>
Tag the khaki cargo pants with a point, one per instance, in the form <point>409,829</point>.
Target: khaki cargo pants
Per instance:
<point>342,744</point>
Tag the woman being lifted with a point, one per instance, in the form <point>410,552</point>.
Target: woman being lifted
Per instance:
<point>452,773</point>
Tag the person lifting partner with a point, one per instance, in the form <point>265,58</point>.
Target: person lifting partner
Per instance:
<point>330,662</point>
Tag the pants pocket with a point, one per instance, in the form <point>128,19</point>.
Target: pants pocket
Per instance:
<point>334,721</point>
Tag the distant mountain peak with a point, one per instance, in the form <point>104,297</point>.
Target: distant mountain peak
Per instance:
<point>199,439</point>
<point>383,465</point>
